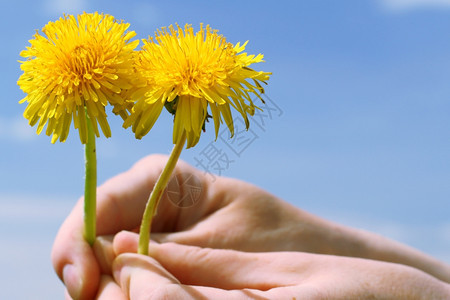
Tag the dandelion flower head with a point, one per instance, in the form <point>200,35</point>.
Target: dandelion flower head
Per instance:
<point>190,72</point>
<point>79,65</point>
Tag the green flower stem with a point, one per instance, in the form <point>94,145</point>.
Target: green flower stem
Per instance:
<point>155,196</point>
<point>90,186</point>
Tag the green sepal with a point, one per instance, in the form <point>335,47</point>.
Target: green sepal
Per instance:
<point>172,105</point>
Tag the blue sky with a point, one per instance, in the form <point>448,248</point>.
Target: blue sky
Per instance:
<point>360,133</point>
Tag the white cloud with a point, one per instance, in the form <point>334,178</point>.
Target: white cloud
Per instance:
<point>28,225</point>
<point>17,129</point>
<point>445,232</point>
<point>28,208</point>
<point>406,5</point>
<point>28,264</point>
<point>58,7</point>
<point>21,130</point>
<point>387,228</point>
<point>433,239</point>
<point>108,148</point>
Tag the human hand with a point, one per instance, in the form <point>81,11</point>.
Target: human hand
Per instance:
<point>230,214</point>
<point>177,271</point>
<point>263,226</point>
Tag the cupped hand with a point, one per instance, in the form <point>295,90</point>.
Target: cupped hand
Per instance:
<point>228,214</point>
<point>177,271</point>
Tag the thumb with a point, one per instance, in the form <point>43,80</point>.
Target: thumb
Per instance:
<point>142,277</point>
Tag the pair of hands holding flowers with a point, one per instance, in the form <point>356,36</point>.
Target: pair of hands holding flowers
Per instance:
<point>237,242</point>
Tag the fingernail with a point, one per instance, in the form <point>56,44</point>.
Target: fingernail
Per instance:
<point>72,281</point>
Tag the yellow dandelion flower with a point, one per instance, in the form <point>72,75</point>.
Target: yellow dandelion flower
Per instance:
<point>81,64</point>
<point>188,72</point>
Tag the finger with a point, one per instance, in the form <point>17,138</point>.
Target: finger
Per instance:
<point>281,274</point>
<point>141,277</point>
<point>121,200</point>
<point>104,253</point>
<point>259,220</point>
<point>261,217</point>
<point>188,198</point>
<point>120,204</point>
<point>73,259</point>
<point>109,289</point>
<point>212,231</point>
<point>74,262</point>
<point>126,242</point>
<point>229,269</point>
<point>67,295</point>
